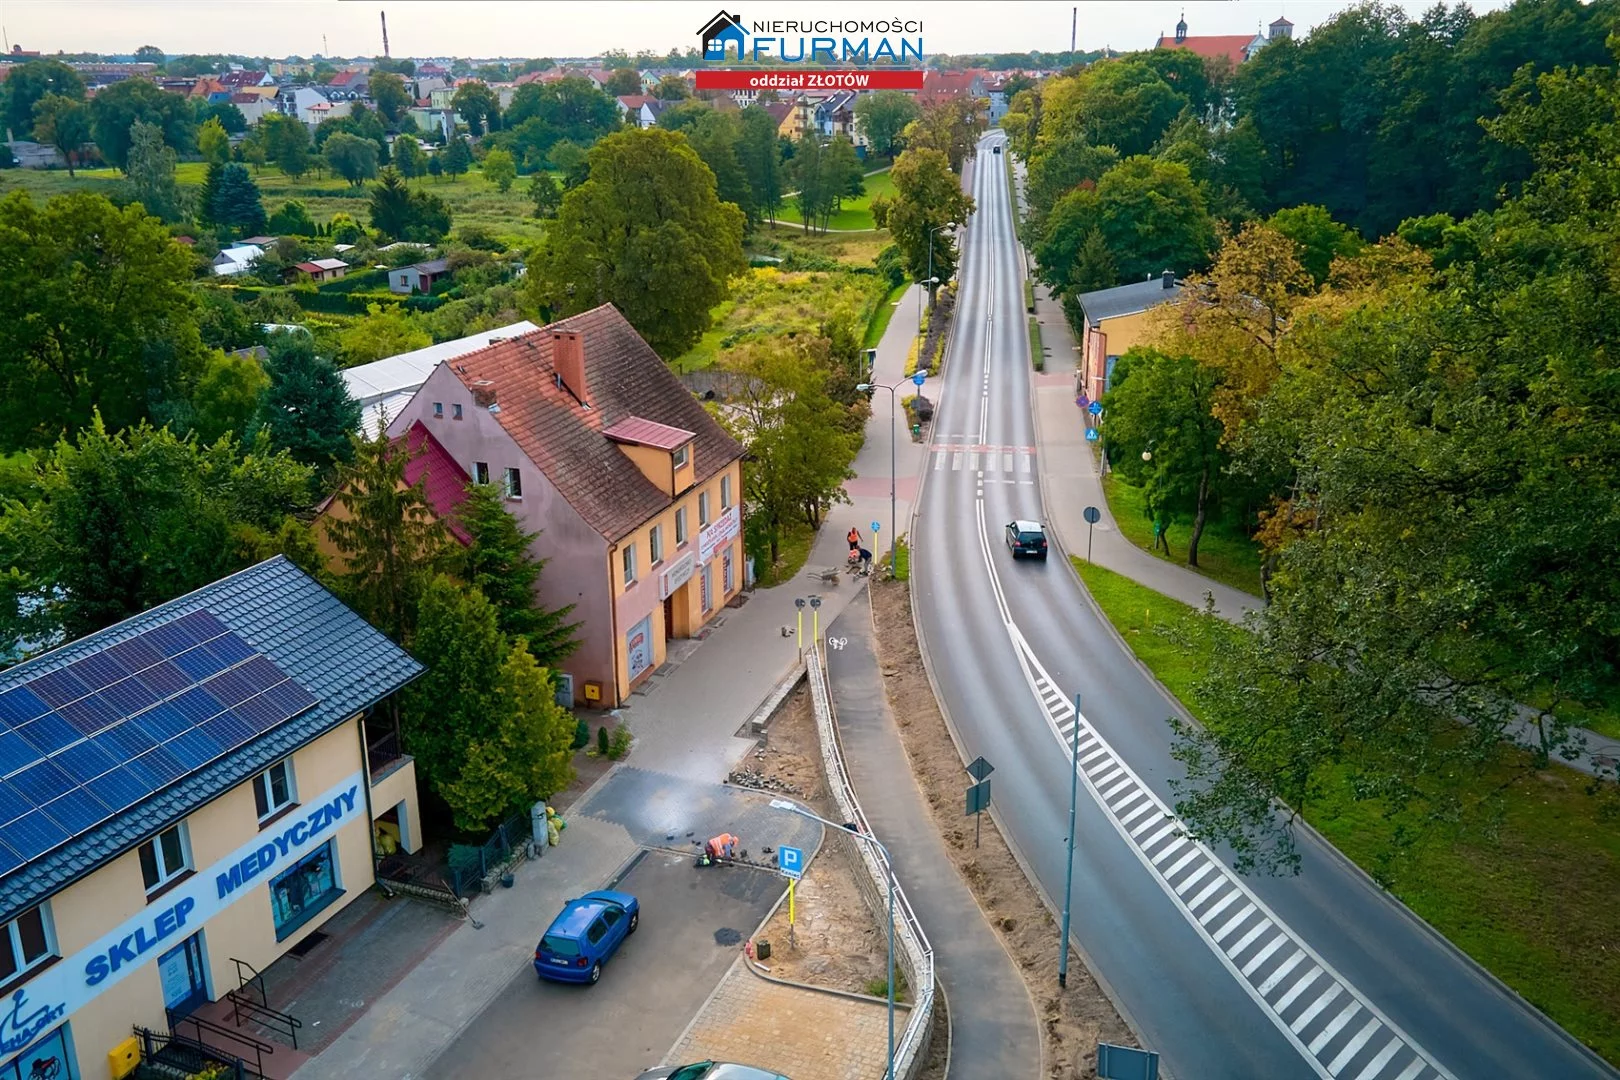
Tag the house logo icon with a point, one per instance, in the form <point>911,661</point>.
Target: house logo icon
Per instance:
<point>720,31</point>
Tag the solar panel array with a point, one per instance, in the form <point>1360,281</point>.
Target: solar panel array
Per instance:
<point>81,744</point>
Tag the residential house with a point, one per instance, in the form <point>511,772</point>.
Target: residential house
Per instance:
<point>996,91</point>
<point>418,277</point>
<point>261,241</point>
<point>310,105</point>
<point>444,484</point>
<point>651,109</point>
<point>1117,319</point>
<point>943,85</point>
<point>384,387</point>
<point>210,89</point>
<point>241,80</point>
<point>1235,48</point>
<point>779,111</point>
<point>201,786</point>
<point>630,105</point>
<point>255,107</point>
<point>634,489</point>
<point>352,82</point>
<point>33,155</point>
<point>835,115</point>
<point>318,270</point>
<point>237,259</point>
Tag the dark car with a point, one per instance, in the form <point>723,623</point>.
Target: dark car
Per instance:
<point>998,148</point>
<point>1027,538</point>
<point>710,1070</point>
<point>583,936</point>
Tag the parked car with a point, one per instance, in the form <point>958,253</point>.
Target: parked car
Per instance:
<point>710,1070</point>
<point>1027,538</point>
<point>584,935</point>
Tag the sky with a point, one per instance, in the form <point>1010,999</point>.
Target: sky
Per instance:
<point>550,28</point>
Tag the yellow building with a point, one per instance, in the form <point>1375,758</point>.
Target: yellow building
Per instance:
<point>190,788</point>
<point>1117,320</point>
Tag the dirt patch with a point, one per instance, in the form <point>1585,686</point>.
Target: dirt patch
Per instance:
<point>789,762</point>
<point>589,766</point>
<point>1073,1021</point>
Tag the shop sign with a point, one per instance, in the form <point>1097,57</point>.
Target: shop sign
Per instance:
<point>678,574</point>
<point>22,1025</point>
<point>638,646</point>
<point>721,531</point>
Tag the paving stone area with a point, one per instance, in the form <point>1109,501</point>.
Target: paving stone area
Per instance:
<point>805,1034</point>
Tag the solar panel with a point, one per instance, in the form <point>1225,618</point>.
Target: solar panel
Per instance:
<point>58,688</point>
<point>290,698</point>
<point>195,748</point>
<point>49,734</point>
<point>116,790</point>
<point>162,722</point>
<point>136,654</point>
<point>124,741</point>
<point>42,782</point>
<point>128,697</point>
<point>233,650</point>
<point>199,663</point>
<point>197,705</point>
<point>161,766</point>
<point>75,811</point>
<point>32,835</point>
<point>9,860</point>
<point>164,680</point>
<point>228,729</point>
<point>20,705</point>
<point>12,805</point>
<point>98,670</point>
<point>89,715</point>
<point>230,687</point>
<point>14,753</point>
<point>85,760</point>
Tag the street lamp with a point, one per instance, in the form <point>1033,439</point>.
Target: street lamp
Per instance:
<point>927,285</point>
<point>888,866</point>
<point>931,232</point>
<point>894,515</point>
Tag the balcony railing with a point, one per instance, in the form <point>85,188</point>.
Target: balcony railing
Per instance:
<point>383,753</point>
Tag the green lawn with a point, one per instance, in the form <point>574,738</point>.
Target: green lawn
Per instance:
<point>770,304</point>
<point>1533,902</point>
<point>856,213</point>
<point>1224,553</point>
<point>472,200</point>
<point>791,554</point>
<point>881,315</point>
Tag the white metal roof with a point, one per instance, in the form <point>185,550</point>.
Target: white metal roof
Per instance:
<point>391,382</point>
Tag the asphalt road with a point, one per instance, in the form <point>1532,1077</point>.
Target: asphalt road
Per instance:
<point>692,923</point>
<point>1321,974</point>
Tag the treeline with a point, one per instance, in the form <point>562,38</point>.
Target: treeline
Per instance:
<point>1430,428</point>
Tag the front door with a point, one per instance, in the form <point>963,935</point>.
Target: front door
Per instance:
<point>180,970</point>
<point>669,619</point>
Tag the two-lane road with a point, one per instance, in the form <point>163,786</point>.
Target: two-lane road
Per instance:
<point>1317,975</point>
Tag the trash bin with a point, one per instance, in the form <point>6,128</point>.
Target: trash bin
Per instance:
<point>537,828</point>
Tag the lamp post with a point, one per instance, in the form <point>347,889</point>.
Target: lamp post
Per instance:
<point>931,277</point>
<point>1068,875</point>
<point>888,867</point>
<point>927,284</point>
<point>894,514</point>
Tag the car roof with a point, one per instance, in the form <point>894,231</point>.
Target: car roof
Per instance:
<point>575,917</point>
<point>1025,525</point>
<point>725,1071</point>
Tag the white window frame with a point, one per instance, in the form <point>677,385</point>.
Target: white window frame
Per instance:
<point>683,454</point>
<point>655,544</point>
<point>13,941</point>
<point>455,410</point>
<point>512,483</point>
<point>680,527</point>
<point>262,783</point>
<point>703,509</point>
<point>725,493</point>
<point>167,874</point>
<point>627,560</point>
<point>480,472</point>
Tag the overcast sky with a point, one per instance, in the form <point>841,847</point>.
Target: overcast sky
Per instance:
<point>480,28</point>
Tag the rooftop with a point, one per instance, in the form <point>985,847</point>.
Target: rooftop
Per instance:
<point>1209,46</point>
<point>128,730</point>
<point>1128,299</point>
<point>639,432</point>
<point>624,380</point>
<point>384,386</point>
<point>443,480</point>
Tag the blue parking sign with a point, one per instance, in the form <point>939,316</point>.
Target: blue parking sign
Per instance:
<point>790,860</point>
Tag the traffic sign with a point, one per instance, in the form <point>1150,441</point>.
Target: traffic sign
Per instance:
<point>980,768</point>
<point>1092,515</point>
<point>790,860</point>
<point>1091,434</point>
<point>876,526</point>
<point>1126,1063</point>
<point>978,797</point>
<point>1082,401</point>
<point>1095,408</point>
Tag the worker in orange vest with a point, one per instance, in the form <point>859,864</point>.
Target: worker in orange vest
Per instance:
<point>723,846</point>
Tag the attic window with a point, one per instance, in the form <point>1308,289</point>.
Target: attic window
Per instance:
<point>438,410</point>
<point>455,411</point>
<point>683,455</point>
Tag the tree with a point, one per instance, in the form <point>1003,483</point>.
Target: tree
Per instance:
<point>483,723</point>
<point>882,116</point>
<point>388,93</point>
<point>567,156</point>
<point>64,123</point>
<point>715,137</point>
<point>500,169</point>
<point>399,213</point>
<point>1093,265</point>
<point>286,143</point>
<point>681,115</point>
<point>150,169</point>
<point>571,108</point>
<point>229,116</point>
<point>1317,237</point>
<point>458,157</point>
<point>389,542</point>
<point>233,201</point>
<point>351,157</point>
<point>119,521</point>
<point>385,331</point>
<point>500,563</point>
<point>435,166</point>
<point>760,156</point>
<point>799,451</point>
<point>951,126</point>
<point>927,196</point>
<point>293,220</point>
<point>671,88</point>
<point>647,233</point>
<point>408,157</point>
<point>546,193</point>
<point>478,106</point>
<point>116,108</point>
<point>1160,405</point>
<point>1126,105</point>
<point>624,82</point>
<point>150,54</point>
<point>392,65</point>
<point>1058,168</point>
<point>214,142</point>
<point>343,229</point>
<point>226,397</point>
<point>27,83</point>
<point>306,410</point>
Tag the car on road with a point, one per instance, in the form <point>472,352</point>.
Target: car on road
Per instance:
<point>710,1070</point>
<point>1027,538</point>
<point>998,148</point>
<point>584,935</point>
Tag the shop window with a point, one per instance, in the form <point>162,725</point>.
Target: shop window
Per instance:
<point>27,944</point>
<point>165,858</point>
<point>300,892</point>
<point>680,526</point>
<point>273,790</point>
<point>46,1059</point>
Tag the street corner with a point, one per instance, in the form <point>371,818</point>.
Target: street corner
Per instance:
<point>672,813</point>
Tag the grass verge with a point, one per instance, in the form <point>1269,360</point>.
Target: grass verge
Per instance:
<point>771,304</point>
<point>1224,553</point>
<point>900,558</point>
<point>879,322</point>
<point>791,555</point>
<point>1532,902</point>
<point>1037,355</point>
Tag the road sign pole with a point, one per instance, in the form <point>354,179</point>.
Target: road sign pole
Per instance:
<point>1089,528</point>
<point>1068,876</point>
<point>791,882</point>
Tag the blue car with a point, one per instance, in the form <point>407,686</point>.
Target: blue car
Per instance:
<point>584,935</point>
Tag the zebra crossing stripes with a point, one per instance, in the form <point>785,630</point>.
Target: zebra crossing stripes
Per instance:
<point>1008,464</point>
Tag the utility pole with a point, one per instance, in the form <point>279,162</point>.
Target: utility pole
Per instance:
<point>1068,877</point>
<point>384,15</point>
<point>325,48</point>
<point>1074,26</point>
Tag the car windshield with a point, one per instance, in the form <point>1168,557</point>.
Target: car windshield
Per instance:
<point>559,946</point>
<point>1031,537</point>
<point>691,1072</point>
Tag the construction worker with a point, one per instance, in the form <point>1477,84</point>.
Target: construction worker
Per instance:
<point>854,539</point>
<point>723,846</point>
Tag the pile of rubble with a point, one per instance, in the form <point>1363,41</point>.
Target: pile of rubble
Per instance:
<point>759,781</point>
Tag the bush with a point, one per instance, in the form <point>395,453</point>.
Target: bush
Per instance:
<point>582,734</point>
<point>602,741</point>
<point>891,264</point>
<point>619,744</point>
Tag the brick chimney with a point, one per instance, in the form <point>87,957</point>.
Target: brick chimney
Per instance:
<point>483,393</point>
<point>568,358</point>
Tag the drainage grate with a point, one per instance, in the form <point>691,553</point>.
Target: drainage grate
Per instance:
<point>303,948</point>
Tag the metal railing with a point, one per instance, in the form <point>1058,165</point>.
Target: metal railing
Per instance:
<point>470,865</point>
<point>915,955</point>
<point>383,751</point>
<point>215,1036</point>
<point>186,1054</point>
<point>259,1011</point>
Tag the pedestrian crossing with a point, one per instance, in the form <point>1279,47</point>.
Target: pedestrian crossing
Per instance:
<point>1339,1032</point>
<point>997,464</point>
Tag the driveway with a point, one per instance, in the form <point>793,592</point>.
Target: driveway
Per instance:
<point>693,923</point>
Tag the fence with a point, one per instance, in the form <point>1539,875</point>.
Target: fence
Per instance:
<point>913,954</point>
<point>472,864</point>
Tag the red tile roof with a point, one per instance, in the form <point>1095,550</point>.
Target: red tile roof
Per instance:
<point>639,432</point>
<point>1210,46</point>
<point>634,102</point>
<point>625,379</point>
<point>344,78</point>
<point>443,480</point>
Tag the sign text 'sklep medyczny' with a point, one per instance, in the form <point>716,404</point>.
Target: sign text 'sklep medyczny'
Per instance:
<point>146,937</point>
<point>290,840</point>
